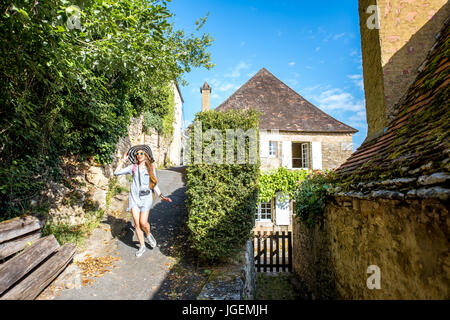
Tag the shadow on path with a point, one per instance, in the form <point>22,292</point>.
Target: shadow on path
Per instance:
<point>183,279</point>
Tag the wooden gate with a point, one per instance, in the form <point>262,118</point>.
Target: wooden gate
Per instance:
<point>273,251</point>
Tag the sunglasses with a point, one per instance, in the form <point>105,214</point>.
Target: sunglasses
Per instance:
<point>140,153</point>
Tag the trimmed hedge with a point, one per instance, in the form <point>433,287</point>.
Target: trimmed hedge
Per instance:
<point>222,198</point>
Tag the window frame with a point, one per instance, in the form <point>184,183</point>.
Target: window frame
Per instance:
<point>274,150</point>
<point>305,157</point>
<point>258,213</point>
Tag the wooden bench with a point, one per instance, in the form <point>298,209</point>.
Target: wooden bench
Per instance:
<point>41,260</point>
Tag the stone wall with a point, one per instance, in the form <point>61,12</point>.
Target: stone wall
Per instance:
<point>336,147</point>
<point>89,181</point>
<point>407,240</point>
<point>235,280</point>
<point>175,145</point>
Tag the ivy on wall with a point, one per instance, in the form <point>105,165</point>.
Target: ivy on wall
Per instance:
<point>280,179</point>
<point>161,113</point>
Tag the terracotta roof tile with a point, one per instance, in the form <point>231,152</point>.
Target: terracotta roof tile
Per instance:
<point>419,133</point>
<point>282,108</point>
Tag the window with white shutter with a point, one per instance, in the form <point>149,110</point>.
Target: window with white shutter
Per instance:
<point>316,151</point>
<point>263,148</point>
<point>301,155</point>
<point>272,148</point>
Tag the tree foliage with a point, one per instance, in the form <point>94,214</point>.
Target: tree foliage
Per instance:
<point>71,77</point>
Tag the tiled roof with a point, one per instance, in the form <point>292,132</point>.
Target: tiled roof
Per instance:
<point>282,108</point>
<point>416,141</point>
<point>205,86</point>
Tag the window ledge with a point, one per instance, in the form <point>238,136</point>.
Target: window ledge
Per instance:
<point>268,223</point>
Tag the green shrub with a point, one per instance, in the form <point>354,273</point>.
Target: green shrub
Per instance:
<point>311,195</point>
<point>222,198</point>
<point>280,179</point>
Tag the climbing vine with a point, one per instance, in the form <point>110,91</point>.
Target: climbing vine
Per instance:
<point>161,113</point>
<point>281,179</point>
<point>311,196</point>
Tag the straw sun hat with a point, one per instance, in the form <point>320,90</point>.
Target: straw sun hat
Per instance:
<point>132,152</point>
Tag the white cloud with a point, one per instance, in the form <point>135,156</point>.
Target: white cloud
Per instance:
<point>360,115</point>
<point>353,53</point>
<point>225,87</point>
<point>292,63</point>
<point>338,36</point>
<point>338,100</point>
<point>236,71</point>
<point>292,82</point>
<point>358,80</point>
<point>309,67</point>
<point>220,86</point>
<point>357,119</point>
<point>355,76</point>
<point>317,49</point>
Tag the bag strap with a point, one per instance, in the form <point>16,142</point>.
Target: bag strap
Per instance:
<point>139,175</point>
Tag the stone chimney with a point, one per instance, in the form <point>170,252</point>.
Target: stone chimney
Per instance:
<point>205,91</point>
<point>396,36</point>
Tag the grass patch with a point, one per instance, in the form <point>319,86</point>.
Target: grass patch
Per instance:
<point>276,286</point>
<point>114,188</point>
<point>74,234</point>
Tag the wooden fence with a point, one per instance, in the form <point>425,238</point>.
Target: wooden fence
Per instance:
<point>273,251</point>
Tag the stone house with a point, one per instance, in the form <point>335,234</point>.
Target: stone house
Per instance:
<point>166,150</point>
<point>388,217</point>
<point>175,148</point>
<point>293,133</point>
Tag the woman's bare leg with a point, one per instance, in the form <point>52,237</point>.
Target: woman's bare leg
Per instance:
<point>143,221</point>
<point>139,233</point>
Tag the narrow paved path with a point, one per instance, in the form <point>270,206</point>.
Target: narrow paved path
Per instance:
<point>165,272</point>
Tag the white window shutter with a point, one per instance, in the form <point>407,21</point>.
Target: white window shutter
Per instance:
<point>282,210</point>
<point>316,151</point>
<point>286,154</point>
<point>263,148</point>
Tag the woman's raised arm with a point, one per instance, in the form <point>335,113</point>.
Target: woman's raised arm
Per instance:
<point>126,170</point>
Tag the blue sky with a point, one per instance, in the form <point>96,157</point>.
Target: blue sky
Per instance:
<point>312,46</point>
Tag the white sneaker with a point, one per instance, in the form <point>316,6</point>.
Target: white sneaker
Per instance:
<point>151,240</point>
<point>140,252</point>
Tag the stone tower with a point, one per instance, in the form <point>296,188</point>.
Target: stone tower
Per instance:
<point>396,36</point>
<point>205,91</point>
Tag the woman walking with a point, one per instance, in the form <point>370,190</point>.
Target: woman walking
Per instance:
<point>142,191</point>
